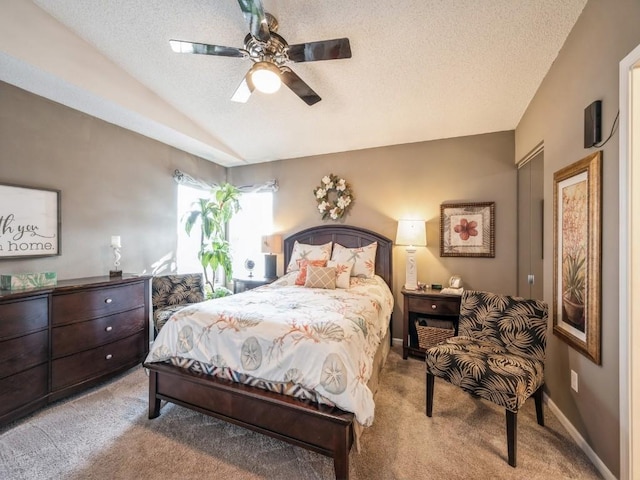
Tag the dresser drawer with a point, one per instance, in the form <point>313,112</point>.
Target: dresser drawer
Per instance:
<point>92,303</point>
<point>23,353</point>
<point>23,316</point>
<point>22,388</point>
<point>102,360</point>
<point>77,337</point>
<point>434,306</point>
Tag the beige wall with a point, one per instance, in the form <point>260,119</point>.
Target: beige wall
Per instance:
<point>409,181</point>
<point>586,70</point>
<point>112,182</point>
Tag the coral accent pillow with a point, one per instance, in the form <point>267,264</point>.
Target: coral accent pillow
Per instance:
<point>303,251</point>
<point>362,258</point>
<point>321,277</point>
<point>343,273</point>
<point>303,265</point>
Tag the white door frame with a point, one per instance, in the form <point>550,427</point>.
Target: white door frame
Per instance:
<point>629,277</point>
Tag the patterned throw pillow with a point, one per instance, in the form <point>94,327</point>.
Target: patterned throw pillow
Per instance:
<point>303,251</point>
<point>321,277</point>
<point>343,273</point>
<point>362,258</point>
<point>303,265</point>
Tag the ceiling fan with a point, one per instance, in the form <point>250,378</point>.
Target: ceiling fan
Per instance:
<point>270,54</point>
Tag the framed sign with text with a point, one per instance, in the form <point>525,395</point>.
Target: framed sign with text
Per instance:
<point>29,222</point>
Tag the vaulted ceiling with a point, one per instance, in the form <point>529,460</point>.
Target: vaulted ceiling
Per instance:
<point>420,69</point>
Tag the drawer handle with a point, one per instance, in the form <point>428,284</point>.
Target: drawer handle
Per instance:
<point>433,307</point>
<point>109,357</point>
<point>108,329</point>
<point>108,300</point>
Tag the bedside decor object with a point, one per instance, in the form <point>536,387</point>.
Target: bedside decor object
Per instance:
<point>23,281</point>
<point>577,220</point>
<point>249,265</point>
<point>334,197</point>
<point>467,229</point>
<point>271,246</point>
<point>29,222</point>
<point>411,233</point>
<point>116,245</point>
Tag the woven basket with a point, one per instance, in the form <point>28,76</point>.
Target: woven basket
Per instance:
<point>430,336</point>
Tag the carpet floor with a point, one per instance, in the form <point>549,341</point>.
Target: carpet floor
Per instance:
<point>105,434</point>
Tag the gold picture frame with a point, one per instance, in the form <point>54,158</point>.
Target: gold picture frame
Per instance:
<point>577,233</point>
<point>467,229</point>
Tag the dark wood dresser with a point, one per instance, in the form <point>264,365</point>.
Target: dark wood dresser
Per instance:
<point>60,340</point>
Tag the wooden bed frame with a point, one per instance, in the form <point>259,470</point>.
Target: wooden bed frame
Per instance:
<point>329,431</point>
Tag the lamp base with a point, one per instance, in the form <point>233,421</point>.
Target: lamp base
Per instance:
<point>115,273</point>
<point>270,265</point>
<point>411,282</point>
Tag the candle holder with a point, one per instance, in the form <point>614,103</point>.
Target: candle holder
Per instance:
<point>115,246</point>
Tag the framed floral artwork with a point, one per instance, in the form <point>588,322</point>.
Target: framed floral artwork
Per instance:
<point>467,229</point>
<point>577,193</point>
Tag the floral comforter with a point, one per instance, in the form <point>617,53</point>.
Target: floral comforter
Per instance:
<point>322,340</point>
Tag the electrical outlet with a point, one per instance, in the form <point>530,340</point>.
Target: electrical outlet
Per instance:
<point>574,380</point>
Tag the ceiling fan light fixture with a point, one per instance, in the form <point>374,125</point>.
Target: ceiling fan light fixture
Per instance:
<point>179,46</point>
<point>266,77</point>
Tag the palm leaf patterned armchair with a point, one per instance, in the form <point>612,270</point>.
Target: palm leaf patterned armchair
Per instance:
<point>170,293</point>
<point>498,355</point>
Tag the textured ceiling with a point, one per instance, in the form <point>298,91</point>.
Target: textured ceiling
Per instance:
<point>421,70</point>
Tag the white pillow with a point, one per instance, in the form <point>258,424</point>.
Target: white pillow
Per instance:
<point>303,251</point>
<point>362,258</point>
<point>343,273</point>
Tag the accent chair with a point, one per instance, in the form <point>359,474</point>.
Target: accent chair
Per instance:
<point>171,293</point>
<point>498,355</point>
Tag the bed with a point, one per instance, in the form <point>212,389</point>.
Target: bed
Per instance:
<point>323,428</point>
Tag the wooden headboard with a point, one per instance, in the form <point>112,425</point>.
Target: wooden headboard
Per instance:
<point>349,237</point>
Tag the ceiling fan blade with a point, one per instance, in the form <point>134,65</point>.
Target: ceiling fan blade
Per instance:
<point>295,83</point>
<point>181,46</point>
<point>323,50</point>
<point>244,90</point>
<point>256,19</point>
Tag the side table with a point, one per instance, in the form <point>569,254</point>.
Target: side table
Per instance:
<point>240,284</point>
<point>425,304</point>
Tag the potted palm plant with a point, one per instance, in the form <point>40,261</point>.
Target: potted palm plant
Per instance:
<point>573,273</point>
<point>213,213</point>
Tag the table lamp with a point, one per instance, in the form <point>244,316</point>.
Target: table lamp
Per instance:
<point>411,233</point>
<point>271,246</point>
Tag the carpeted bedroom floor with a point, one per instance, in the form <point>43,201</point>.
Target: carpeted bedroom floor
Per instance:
<point>105,434</point>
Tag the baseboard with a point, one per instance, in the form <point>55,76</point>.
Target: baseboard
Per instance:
<point>580,441</point>
<point>396,341</point>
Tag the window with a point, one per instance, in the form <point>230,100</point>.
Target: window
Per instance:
<point>246,229</point>
<point>188,245</point>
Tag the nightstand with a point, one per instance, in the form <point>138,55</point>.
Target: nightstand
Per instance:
<point>424,306</point>
<point>240,284</point>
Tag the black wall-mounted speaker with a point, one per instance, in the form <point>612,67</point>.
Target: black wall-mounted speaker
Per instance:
<point>592,124</point>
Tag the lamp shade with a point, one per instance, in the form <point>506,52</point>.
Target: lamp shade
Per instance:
<point>265,77</point>
<point>272,244</point>
<point>411,232</point>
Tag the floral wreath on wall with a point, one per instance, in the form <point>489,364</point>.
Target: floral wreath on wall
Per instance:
<point>333,196</point>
